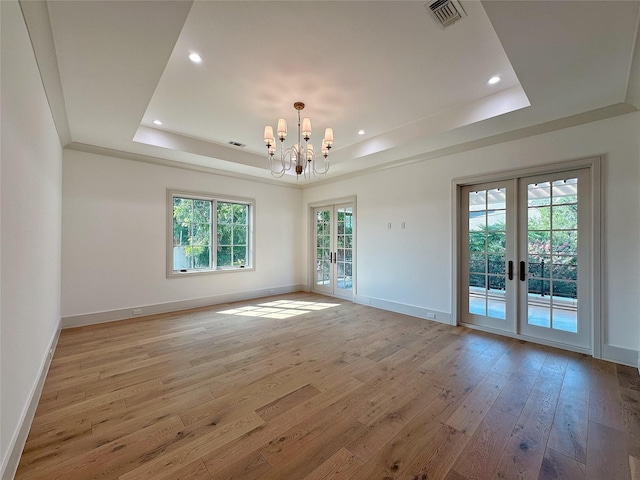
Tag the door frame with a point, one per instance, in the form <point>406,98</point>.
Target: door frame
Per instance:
<point>594,164</point>
<point>311,247</point>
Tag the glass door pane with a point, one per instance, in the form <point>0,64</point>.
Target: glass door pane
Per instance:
<point>486,253</point>
<point>552,224</point>
<point>344,257</point>
<point>323,248</point>
<point>554,232</point>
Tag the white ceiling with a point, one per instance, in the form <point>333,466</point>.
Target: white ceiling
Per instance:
<point>386,67</point>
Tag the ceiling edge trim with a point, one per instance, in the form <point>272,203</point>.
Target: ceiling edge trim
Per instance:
<point>136,157</point>
<point>184,143</point>
<point>36,19</point>
<point>530,131</point>
<point>633,80</point>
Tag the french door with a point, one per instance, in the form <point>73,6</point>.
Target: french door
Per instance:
<point>334,250</point>
<point>526,257</point>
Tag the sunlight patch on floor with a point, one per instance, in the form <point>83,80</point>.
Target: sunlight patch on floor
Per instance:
<point>279,309</point>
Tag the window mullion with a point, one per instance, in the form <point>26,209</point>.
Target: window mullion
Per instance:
<point>214,234</point>
<point>192,261</point>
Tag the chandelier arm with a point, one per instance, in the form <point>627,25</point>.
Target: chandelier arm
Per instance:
<point>276,173</point>
<point>324,170</point>
<point>307,170</point>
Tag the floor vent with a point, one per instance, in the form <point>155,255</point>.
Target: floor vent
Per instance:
<point>446,12</point>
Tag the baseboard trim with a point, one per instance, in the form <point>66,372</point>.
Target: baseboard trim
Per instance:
<point>145,310</point>
<point>412,310</point>
<point>624,356</point>
<point>19,439</point>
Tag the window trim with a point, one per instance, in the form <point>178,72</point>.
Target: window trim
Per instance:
<point>195,195</point>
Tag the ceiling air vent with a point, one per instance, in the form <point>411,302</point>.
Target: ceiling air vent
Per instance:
<point>446,12</point>
<point>237,144</point>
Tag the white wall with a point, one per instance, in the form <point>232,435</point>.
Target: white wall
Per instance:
<point>31,222</point>
<point>114,235</point>
<point>413,266</point>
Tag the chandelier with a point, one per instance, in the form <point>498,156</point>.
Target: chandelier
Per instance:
<point>300,155</point>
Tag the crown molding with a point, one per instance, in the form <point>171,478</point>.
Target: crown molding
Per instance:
<point>530,131</point>
<point>136,157</point>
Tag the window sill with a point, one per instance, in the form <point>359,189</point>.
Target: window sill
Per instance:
<point>188,273</point>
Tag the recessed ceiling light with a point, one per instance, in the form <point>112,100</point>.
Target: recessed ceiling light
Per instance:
<point>195,58</point>
<point>157,122</point>
<point>493,80</point>
<point>360,132</point>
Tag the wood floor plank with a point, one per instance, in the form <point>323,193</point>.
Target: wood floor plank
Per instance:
<point>628,377</point>
<point>307,453</point>
<point>339,467</point>
<point>570,426</point>
<point>438,455</point>
<point>379,433</point>
<point>219,459</point>
<point>281,405</point>
<point>631,418</point>
<point>514,395</point>
<point>192,451</point>
<point>249,467</point>
<point>393,460</point>
<point>524,452</point>
<point>280,450</point>
<point>556,466</point>
<point>606,454</point>
<point>192,471</point>
<point>480,457</point>
<point>605,403</point>
<point>109,460</point>
<point>634,466</point>
<point>325,389</point>
<point>472,411</point>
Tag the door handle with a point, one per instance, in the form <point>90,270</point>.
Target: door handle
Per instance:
<point>522,272</point>
<point>510,269</point>
<point>335,257</point>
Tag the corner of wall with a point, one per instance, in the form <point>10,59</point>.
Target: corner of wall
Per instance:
<point>623,356</point>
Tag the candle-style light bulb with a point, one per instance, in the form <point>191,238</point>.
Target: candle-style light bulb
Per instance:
<point>268,135</point>
<point>328,137</point>
<point>282,128</point>
<point>306,128</point>
<point>325,150</point>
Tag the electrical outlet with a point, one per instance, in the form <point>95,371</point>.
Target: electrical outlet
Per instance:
<point>431,315</point>
<point>137,311</point>
<point>272,290</point>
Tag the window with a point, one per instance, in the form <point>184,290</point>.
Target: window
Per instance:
<point>209,234</point>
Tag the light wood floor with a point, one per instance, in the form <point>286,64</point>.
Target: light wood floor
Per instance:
<point>314,391</point>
